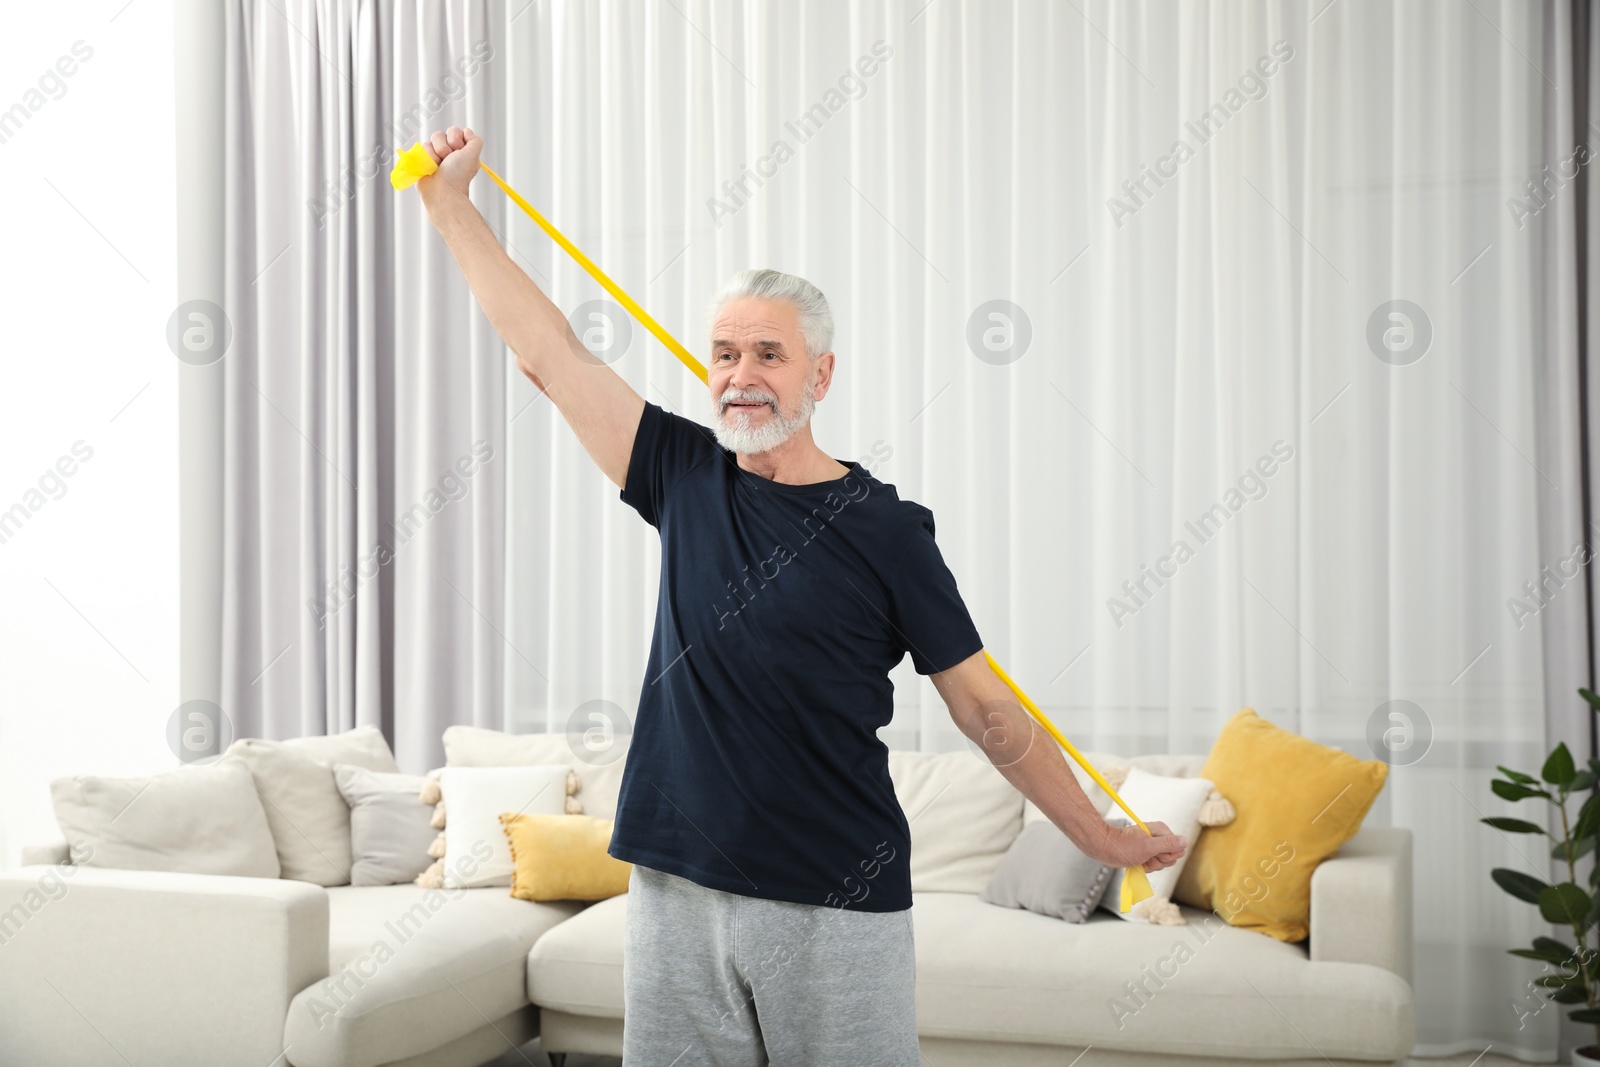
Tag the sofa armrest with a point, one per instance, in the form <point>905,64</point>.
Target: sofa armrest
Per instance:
<point>1361,901</point>
<point>99,965</point>
<point>54,852</point>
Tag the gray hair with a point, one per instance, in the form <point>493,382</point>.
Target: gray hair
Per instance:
<point>816,319</point>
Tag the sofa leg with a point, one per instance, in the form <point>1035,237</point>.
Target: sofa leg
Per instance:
<point>557,1059</point>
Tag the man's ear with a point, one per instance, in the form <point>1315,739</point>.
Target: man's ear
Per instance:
<point>824,374</point>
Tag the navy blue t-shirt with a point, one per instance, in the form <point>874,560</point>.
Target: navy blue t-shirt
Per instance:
<point>755,766</point>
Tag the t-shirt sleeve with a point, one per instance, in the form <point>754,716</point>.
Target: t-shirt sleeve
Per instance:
<point>925,607</point>
<point>665,448</point>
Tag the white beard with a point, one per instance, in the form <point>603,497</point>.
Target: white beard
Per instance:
<point>734,431</point>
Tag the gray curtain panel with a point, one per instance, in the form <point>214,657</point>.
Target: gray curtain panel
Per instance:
<point>365,394</point>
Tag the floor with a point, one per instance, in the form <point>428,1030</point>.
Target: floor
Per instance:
<point>530,1055</point>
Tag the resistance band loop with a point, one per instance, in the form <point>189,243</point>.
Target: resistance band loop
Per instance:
<point>415,163</point>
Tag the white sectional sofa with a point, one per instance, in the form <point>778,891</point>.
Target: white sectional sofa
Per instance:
<point>101,966</point>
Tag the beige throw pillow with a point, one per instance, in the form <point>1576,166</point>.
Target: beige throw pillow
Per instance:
<point>309,819</point>
<point>194,820</point>
<point>964,815</point>
<point>596,755</point>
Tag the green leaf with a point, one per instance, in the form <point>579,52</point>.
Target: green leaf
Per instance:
<point>1584,1015</point>
<point>1559,981</point>
<point>1514,826</point>
<point>1588,821</point>
<point>1550,944</point>
<point>1564,904</point>
<point>1591,697</point>
<point>1513,791</point>
<point>1572,994</point>
<point>1580,848</point>
<point>1518,776</point>
<point>1522,886</point>
<point>1558,769</point>
<point>1580,781</point>
<point>1539,954</point>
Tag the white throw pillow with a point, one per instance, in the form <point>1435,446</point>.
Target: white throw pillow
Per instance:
<point>964,815</point>
<point>309,818</point>
<point>597,757</point>
<point>1162,763</point>
<point>204,819</point>
<point>476,852</point>
<point>1157,798</point>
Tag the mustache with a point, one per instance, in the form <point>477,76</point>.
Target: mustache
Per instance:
<point>752,395</point>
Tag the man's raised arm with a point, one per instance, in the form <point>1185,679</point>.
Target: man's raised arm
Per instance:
<point>602,408</point>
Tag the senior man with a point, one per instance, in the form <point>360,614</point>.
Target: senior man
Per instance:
<point>769,905</point>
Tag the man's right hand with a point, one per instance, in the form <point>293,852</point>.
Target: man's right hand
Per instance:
<point>1129,846</point>
<point>456,151</point>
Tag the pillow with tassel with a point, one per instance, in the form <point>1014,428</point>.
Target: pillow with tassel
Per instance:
<point>1187,806</point>
<point>1299,801</point>
<point>563,857</point>
<point>433,793</point>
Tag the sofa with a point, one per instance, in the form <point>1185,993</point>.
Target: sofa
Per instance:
<point>101,965</point>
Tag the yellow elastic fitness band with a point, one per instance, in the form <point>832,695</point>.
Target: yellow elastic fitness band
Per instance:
<point>415,163</point>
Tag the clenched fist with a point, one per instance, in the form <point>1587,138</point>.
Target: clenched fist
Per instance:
<point>456,151</point>
<point>1129,846</point>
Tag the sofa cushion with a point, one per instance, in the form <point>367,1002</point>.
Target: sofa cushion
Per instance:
<point>198,819</point>
<point>964,815</point>
<point>577,966</point>
<point>998,974</point>
<point>1204,989</point>
<point>411,969</point>
<point>596,755</point>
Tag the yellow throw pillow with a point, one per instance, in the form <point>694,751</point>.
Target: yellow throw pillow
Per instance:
<point>1297,802</point>
<point>563,857</point>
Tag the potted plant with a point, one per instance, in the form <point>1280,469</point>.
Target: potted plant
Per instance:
<point>1572,972</point>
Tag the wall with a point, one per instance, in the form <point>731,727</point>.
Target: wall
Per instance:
<point>88,405</point>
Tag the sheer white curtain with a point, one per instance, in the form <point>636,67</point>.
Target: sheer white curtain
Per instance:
<point>1214,318</point>
<point>1184,355</point>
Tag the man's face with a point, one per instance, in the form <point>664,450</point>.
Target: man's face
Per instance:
<point>763,389</point>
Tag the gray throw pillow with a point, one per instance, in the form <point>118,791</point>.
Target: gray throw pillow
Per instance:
<point>389,825</point>
<point>1045,872</point>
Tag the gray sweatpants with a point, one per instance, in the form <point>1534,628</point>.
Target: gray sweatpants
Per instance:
<point>733,981</point>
